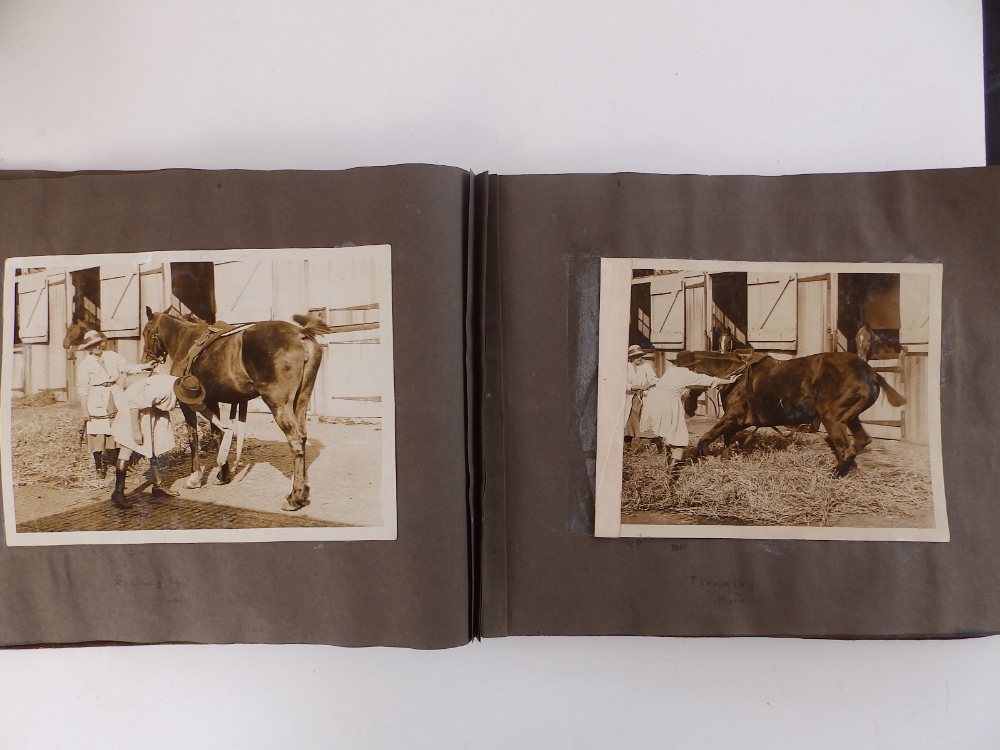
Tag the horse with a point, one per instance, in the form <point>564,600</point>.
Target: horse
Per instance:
<point>273,359</point>
<point>834,388</point>
<point>75,333</point>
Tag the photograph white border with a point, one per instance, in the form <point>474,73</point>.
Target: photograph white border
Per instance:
<point>381,254</point>
<point>616,281</point>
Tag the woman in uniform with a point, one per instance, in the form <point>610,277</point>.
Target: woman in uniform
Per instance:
<point>639,377</point>
<point>143,426</point>
<point>662,415</point>
<point>99,378</point>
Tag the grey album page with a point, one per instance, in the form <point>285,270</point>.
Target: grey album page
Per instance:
<point>755,406</point>
<point>233,407</point>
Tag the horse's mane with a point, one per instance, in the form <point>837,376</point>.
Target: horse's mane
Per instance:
<point>312,326</point>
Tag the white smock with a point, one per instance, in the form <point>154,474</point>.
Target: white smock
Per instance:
<point>662,410</point>
<point>637,379</point>
<point>97,378</point>
<point>154,398</point>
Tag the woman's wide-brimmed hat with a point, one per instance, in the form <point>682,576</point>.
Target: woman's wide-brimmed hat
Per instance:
<point>92,338</point>
<point>635,351</point>
<point>189,390</point>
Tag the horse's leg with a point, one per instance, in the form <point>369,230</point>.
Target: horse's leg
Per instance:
<point>861,438</point>
<point>730,434</point>
<point>310,370</point>
<point>241,426</point>
<point>284,416</point>
<point>721,427</point>
<point>224,459</point>
<point>842,446</point>
<point>191,417</point>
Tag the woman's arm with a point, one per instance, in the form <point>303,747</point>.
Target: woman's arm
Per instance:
<point>136,427</point>
<point>697,379</point>
<point>126,368</point>
<point>83,384</point>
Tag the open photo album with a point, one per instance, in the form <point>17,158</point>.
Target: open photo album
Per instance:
<point>412,406</point>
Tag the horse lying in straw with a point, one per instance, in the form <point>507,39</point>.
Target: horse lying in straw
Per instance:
<point>275,360</point>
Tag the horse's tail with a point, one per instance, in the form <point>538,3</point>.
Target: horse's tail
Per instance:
<point>312,326</point>
<point>892,395</point>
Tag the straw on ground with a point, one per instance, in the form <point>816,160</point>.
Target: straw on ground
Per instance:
<point>777,480</point>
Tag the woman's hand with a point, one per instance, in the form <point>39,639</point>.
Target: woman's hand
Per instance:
<point>136,427</point>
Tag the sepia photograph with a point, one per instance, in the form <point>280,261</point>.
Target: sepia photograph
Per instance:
<point>198,396</point>
<point>770,400</point>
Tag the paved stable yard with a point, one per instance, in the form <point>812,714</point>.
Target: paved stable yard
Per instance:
<point>343,456</point>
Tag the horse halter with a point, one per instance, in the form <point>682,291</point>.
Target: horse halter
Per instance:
<point>151,342</point>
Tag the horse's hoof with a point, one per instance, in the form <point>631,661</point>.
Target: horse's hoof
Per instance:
<point>291,507</point>
<point>161,493</point>
<point>225,477</point>
<point>844,469</point>
<point>193,482</point>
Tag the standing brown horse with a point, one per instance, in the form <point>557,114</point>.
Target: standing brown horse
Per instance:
<point>275,360</point>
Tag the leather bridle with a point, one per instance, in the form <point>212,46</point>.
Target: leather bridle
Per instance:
<point>152,341</point>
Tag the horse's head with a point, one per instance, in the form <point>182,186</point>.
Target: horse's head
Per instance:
<point>76,331</point>
<point>153,348</point>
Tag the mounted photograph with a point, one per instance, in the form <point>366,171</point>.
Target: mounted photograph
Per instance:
<point>770,400</point>
<point>198,396</point>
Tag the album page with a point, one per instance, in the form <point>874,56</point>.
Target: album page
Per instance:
<point>233,407</point>
<point>742,405</point>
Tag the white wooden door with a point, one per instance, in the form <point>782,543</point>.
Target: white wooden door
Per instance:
<point>244,291</point>
<point>914,311</point>
<point>349,388</point>
<point>120,301</point>
<point>666,303</point>
<point>813,315</point>
<point>33,308</point>
<point>772,310</point>
<point>914,336</point>
<point>154,288</point>
<point>695,320</point>
<point>59,320</point>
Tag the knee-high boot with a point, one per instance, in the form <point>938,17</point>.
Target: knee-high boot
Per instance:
<point>159,491</point>
<point>118,497</point>
<point>99,465</point>
<point>675,462</point>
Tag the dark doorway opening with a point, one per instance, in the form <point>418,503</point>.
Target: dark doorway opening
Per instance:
<point>192,286</point>
<point>87,295</point>
<point>639,317</point>
<point>729,306</point>
<point>872,299</point>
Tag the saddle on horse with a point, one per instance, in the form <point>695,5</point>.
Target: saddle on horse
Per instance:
<point>216,331</point>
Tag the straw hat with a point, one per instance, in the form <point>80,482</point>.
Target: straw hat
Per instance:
<point>635,351</point>
<point>92,338</point>
<point>189,390</point>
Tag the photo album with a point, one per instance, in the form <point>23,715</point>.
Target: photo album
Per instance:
<point>413,406</point>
